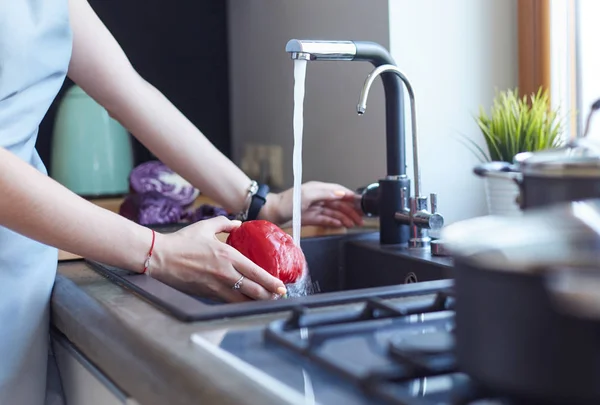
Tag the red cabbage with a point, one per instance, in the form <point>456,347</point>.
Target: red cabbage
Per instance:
<point>154,176</point>
<point>151,209</point>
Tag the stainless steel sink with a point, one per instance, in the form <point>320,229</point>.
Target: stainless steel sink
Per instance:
<point>344,268</point>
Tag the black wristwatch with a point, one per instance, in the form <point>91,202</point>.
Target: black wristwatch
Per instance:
<point>257,201</point>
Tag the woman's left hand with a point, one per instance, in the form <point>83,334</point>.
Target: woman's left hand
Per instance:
<point>323,204</point>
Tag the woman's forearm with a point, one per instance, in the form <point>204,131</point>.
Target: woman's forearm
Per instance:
<point>101,68</point>
<point>36,206</point>
<point>165,131</point>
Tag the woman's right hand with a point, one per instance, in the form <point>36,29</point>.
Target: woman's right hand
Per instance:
<point>193,260</point>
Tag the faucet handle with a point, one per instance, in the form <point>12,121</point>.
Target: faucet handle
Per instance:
<point>421,203</point>
<point>413,206</point>
<point>433,202</point>
<point>436,220</point>
<point>424,218</point>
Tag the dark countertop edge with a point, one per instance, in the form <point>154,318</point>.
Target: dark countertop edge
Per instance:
<point>145,371</point>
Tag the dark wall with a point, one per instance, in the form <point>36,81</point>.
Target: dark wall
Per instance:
<point>181,48</point>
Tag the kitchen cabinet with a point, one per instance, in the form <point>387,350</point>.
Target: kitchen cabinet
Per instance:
<point>82,382</point>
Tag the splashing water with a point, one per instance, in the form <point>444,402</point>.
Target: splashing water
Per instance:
<point>303,287</point>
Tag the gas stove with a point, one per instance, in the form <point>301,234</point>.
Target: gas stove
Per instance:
<point>378,351</point>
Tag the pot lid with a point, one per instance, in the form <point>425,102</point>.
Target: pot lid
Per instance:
<point>564,235</point>
<point>559,244</point>
<point>579,158</point>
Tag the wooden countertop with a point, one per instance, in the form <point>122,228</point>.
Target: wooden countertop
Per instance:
<point>113,204</point>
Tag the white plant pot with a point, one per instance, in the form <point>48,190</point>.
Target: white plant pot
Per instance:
<point>501,196</point>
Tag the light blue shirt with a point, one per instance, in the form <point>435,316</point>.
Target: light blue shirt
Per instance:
<point>35,49</point>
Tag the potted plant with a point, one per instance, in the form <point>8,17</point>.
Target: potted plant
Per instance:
<point>515,124</point>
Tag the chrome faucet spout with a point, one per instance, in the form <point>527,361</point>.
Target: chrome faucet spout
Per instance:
<point>321,50</point>
<point>362,108</point>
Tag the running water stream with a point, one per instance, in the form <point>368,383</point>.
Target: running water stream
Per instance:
<point>304,286</point>
<point>299,80</point>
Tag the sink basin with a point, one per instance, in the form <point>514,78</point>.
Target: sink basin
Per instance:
<point>343,268</point>
<point>358,261</point>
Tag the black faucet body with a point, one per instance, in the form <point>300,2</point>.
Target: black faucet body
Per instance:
<point>395,124</point>
<point>391,231</point>
<point>389,192</point>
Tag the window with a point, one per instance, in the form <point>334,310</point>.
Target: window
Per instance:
<point>558,51</point>
<point>575,61</point>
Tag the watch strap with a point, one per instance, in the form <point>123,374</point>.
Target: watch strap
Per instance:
<point>257,201</point>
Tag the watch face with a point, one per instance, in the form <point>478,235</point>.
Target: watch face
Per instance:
<point>253,189</point>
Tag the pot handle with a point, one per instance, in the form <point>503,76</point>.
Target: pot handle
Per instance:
<point>499,170</point>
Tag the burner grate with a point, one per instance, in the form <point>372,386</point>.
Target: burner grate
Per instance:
<point>408,360</point>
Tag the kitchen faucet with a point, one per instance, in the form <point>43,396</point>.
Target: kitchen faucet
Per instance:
<point>400,222</point>
<point>415,213</point>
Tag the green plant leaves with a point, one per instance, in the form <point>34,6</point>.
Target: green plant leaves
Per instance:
<point>515,125</point>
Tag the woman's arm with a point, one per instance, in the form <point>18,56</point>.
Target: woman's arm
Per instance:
<point>101,68</point>
<point>38,207</point>
<point>192,259</point>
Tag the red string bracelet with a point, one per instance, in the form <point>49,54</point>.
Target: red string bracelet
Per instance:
<point>147,262</point>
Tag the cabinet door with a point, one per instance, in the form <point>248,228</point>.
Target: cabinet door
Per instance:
<point>82,382</point>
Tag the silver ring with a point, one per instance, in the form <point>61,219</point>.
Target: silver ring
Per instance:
<point>238,284</point>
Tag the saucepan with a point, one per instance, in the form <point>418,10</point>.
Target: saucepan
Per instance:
<point>552,176</point>
<point>528,302</point>
<point>547,177</point>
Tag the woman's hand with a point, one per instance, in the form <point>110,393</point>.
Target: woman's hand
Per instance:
<point>323,204</point>
<point>193,260</point>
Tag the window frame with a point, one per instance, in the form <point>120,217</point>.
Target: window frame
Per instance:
<point>534,45</point>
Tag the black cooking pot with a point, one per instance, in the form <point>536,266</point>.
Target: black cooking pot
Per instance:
<point>528,302</point>
<point>551,176</point>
